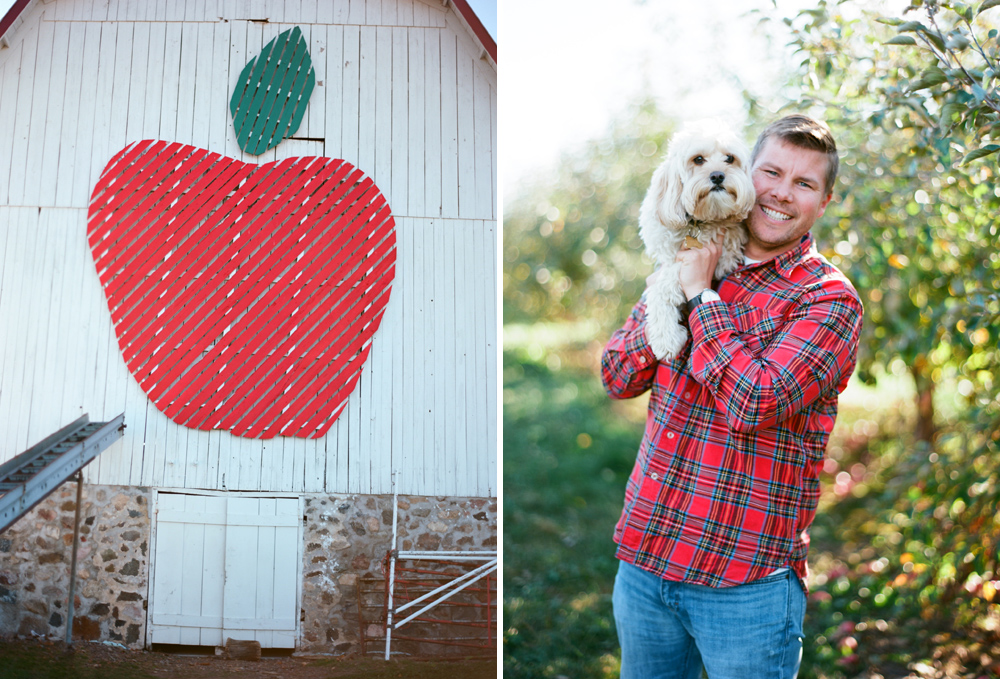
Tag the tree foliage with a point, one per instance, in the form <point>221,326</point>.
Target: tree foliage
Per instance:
<point>913,102</point>
<point>571,244</point>
<point>914,226</point>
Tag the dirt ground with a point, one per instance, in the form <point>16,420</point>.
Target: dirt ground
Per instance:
<point>34,659</point>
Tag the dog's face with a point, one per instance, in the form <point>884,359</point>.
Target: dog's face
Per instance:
<point>705,176</point>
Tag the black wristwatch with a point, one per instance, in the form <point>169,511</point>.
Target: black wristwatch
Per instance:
<point>706,295</point>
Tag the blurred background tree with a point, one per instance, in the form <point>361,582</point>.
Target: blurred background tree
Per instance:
<point>905,549</point>
<point>571,244</point>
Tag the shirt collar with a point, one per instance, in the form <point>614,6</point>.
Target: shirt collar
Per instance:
<point>787,261</point>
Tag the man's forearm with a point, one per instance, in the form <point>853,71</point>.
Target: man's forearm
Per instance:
<point>628,364</point>
<point>807,356</point>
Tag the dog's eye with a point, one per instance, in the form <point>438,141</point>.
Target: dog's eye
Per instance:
<point>698,160</point>
<point>730,159</point>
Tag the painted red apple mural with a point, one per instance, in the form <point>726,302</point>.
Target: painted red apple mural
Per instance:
<point>245,297</point>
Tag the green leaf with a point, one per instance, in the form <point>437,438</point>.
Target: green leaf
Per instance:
<point>911,26</point>
<point>901,40</point>
<point>935,38</point>
<point>979,93</point>
<point>889,21</point>
<point>949,110</point>
<point>931,77</point>
<point>980,153</point>
<point>989,4</point>
<point>957,41</point>
<point>272,93</point>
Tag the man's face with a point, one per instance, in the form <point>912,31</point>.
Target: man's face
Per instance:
<point>791,196</point>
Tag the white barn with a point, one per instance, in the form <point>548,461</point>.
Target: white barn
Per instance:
<point>181,524</point>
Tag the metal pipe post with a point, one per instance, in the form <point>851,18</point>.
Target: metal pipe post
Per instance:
<point>392,570</point>
<point>72,566</point>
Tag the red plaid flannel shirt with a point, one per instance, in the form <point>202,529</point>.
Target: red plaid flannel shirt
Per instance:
<point>726,479</point>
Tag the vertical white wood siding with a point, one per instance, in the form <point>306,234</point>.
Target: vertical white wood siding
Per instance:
<point>401,92</point>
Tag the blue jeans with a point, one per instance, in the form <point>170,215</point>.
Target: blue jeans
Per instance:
<point>671,630</point>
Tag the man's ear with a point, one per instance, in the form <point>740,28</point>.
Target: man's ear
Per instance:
<point>822,207</point>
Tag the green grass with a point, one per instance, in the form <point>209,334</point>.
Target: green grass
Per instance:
<point>567,453</point>
<point>20,661</point>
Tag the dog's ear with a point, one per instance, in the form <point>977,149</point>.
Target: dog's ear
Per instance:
<point>667,186</point>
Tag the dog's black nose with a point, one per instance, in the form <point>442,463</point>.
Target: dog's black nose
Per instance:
<point>717,178</point>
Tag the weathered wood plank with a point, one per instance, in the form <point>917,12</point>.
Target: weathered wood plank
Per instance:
<point>409,355</point>
<point>400,123</point>
<point>222,85</point>
<point>42,66</point>
<point>138,83</point>
<point>432,204</point>
<point>415,102</point>
<point>350,92</point>
<point>382,171</point>
<point>367,86</point>
<point>121,87</point>
<point>443,272</point>
<point>334,85</point>
<point>186,89</point>
<point>449,126</point>
<point>466,136</point>
<point>389,12</point>
<point>404,12</point>
<point>373,12</point>
<point>485,179</point>
<point>66,136</point>
<point>489,485</point>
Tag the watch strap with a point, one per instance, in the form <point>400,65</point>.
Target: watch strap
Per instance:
<point>694,302</point>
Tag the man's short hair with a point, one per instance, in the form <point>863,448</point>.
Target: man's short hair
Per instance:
<point>804,132</point>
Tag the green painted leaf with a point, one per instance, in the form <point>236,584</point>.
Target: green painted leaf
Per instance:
<point>272,93</point>
<point>980,153</point>
<point>901,40</point>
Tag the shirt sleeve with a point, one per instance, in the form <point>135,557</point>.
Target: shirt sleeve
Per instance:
<point>810,352</point>
<point>628,365</point>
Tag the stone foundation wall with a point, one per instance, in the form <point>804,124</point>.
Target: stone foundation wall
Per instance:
<point>345,540</point>
<point>112,566</point>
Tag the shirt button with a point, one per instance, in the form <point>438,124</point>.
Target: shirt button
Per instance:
<point>654,476</point>
<point>642,359</point>
<point>687,394</point>
<point>670,434</point>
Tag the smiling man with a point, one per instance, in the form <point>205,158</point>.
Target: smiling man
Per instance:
<point>713,536</point>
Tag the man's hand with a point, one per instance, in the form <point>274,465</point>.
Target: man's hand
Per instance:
<point>698,267</point>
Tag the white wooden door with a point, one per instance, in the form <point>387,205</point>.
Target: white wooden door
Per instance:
<point>225,566</point>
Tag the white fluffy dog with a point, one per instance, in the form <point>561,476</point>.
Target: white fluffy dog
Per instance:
<point>700,190</point>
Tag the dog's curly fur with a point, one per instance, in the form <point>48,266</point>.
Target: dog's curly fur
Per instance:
<point>701,189</point>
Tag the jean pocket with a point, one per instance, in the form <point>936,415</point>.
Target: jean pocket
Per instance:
<point>770,579</point>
